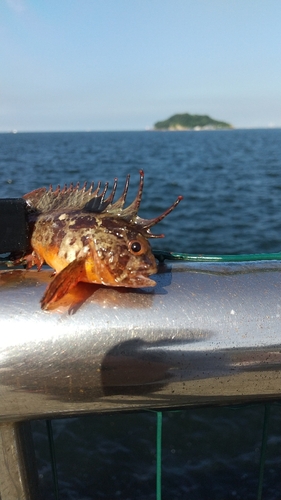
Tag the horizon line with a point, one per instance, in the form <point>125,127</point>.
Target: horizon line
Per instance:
<point>17,131</point>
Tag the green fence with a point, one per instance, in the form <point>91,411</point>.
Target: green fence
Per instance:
<point>196,453</point>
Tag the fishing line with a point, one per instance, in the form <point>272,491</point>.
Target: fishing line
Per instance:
<point>186,257</point>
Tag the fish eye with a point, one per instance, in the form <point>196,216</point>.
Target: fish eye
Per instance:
<point>136,247</point>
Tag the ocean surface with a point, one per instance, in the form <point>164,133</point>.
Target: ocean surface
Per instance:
<point>230,180</point>
<point>231,184</point>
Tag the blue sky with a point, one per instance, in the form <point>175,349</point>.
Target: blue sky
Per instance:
<point>125,64</point>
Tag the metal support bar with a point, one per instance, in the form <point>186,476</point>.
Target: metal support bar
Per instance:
<point>18,474</point>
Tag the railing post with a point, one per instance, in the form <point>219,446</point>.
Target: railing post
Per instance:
<point>18,474</point>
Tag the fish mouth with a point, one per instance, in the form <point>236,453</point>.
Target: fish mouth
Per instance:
<point>144,281</point>
<point>139,281</point>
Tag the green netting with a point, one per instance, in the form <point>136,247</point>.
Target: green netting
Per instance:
<point>159,456</point>
<point>160,431</point>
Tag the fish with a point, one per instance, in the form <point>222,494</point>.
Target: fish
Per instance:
<point>86,236</point>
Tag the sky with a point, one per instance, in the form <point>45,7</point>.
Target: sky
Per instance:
<point>125,64</point>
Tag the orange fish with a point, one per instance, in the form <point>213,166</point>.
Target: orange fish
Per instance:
<point>86,236</point>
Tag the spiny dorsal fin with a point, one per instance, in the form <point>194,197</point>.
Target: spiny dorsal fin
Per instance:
<point>94,201</point>
<point>43,200</point>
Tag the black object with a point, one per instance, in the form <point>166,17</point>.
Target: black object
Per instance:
<point>13,226</point>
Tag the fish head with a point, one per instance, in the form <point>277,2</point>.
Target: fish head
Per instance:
<point>119,255</point>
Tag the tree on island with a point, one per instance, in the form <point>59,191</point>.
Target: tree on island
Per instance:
<point>186,121</point>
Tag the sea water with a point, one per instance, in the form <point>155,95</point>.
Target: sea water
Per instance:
<point>230,180</point>
<point>231,183</point>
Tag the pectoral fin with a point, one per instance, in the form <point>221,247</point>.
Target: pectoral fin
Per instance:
<point>64,281</point>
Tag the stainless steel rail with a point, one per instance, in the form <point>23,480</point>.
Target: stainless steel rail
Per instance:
<point>208,333</point>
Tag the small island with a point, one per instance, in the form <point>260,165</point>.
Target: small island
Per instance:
<point>186,121</point>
